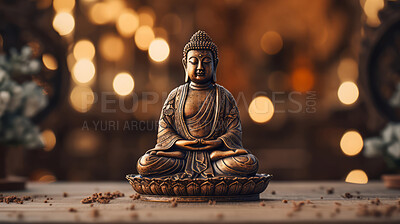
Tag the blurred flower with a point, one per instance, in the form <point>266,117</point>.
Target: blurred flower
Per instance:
<point>388,133</point>
<point>19,102</point>
<point>2,75</point>
<point>394,150</point>
<point>373,147</point>
<point>387,145</point>
<point>395,99</point>
<point>35,99</point>
<point>4,99</point>
<point>17,97</point>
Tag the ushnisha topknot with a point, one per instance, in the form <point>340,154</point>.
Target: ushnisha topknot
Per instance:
<point>201,41</point>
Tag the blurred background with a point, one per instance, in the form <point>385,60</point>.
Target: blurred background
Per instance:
<point>295,68</point>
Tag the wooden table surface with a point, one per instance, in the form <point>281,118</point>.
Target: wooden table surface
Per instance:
<point>321,207</point>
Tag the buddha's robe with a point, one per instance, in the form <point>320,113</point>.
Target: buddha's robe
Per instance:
<point>218,114</point>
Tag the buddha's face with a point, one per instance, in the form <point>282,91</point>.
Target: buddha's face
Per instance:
<point>200,66</point>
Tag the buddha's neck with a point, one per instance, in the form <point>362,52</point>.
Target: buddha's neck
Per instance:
<point>202,86</point>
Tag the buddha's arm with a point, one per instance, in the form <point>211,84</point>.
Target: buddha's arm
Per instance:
<point>167,135</point>
<point>232,138</point>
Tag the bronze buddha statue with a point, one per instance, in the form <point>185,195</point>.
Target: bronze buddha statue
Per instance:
<point>199,133</point>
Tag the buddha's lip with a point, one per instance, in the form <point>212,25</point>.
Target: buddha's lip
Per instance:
<point>200,73</point>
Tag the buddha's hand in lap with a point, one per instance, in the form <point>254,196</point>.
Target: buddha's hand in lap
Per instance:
<point>198,145</point>
<point>187,144</point>
<point>170,154</point>
<point>217,154</point>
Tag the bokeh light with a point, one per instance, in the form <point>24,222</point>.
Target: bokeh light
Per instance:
<point>83,71</point>
<point>371,9</point>
<point>351,143</point>
<point>348,93</point>
<point>83,143</point>
<point>172,22</point>
<point>63,5</point>
<point>81,98</point>
<point>84,49</point>
<point>63,23</point>
<point>302,79</point>
<point>43,175</point>
<point>143,37</point>
<point>49,61</point>
<point>43,4</point>
<point>271,42</point>
<point>159,50</point>
<point>146,16</point>
<point>347,70</point>
<point>111,47</point>
<point>49,140</point>
<point>357,177</point>
<point>123,84</point>
<point>127,23</point>
<point>71,61</point>
<point>105,12</point>
<point>99,14</point>
<point>261,109</point>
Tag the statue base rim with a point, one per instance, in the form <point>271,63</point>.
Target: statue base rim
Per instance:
<point>224,188</point>
<point>194,199</point>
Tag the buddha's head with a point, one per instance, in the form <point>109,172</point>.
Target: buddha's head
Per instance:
<point>200,59</point>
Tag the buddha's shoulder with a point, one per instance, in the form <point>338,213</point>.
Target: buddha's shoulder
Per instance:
<point>175,91</point>
<point>225,92</point>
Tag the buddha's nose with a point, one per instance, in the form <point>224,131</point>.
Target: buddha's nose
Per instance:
<point>199,66</point>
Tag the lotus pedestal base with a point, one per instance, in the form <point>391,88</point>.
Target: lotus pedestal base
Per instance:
<point>200,190</point>
<point>228,198</point>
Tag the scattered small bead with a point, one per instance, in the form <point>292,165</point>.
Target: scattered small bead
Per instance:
<point>174,204</point>
<point>95,213</point>
<point>72,210</point>
<point>330,190</point>
<point>134,215</point>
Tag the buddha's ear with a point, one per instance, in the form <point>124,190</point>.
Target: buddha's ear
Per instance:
<point>185,67</point>
<point>215,71</point>
<point>184,63</point>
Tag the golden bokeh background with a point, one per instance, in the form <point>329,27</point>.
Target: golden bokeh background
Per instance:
<point>291,65</point>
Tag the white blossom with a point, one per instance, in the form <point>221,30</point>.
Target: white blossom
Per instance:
<point>394,150</point>
<point>3,60</point>
<point>2,75</point>
<point>26,52</point>
<point>396,131</point>
<point>373,147</point>
<point>34,66</point>
<point>395,99</point>
<point>4,100</point>
<point>17,97</point>
<point>35,99</point>
<point>388,133</point>
<point>19,102</point>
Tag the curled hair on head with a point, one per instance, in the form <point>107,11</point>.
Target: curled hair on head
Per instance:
<point>201,41</point>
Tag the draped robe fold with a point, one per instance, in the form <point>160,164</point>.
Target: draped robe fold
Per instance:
<point>219,110</point>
